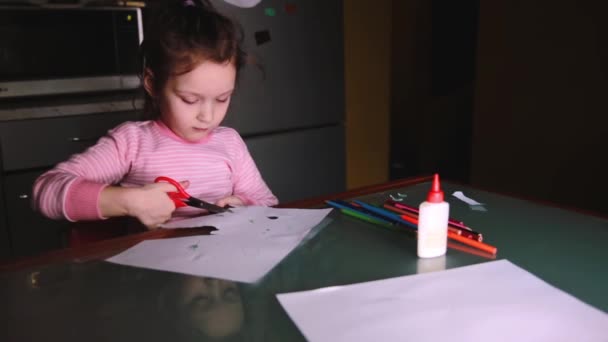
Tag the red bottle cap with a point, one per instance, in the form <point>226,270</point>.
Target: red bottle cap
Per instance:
<point>435,195</point>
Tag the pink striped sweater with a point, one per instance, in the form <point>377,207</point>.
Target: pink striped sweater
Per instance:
<point>135,153</point>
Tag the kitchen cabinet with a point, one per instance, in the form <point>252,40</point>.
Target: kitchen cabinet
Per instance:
<point>29,147</point>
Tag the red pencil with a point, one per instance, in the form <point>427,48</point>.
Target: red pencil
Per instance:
<point>451,229</point>
<point>408,216</point>
<point>400,211</point>
<point>453,222</point>
<point>464,240</point>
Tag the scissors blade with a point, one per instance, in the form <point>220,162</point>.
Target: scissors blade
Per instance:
<point>195,202</point>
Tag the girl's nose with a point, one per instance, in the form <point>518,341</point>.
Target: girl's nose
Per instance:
<point>205,113</point>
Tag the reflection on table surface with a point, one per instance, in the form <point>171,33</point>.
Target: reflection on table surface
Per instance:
<point>100,301</point>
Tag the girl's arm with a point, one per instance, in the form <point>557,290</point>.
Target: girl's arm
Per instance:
<point>72,189</point>
<point>248,184</point>
<point>81,188</point>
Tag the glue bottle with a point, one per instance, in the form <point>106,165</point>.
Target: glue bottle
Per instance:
<point>433,223</point>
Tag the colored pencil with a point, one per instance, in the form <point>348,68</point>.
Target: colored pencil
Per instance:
<point>343,206</point>
<point>476,244</point>
<point>386,214</point>
<point>470,250</point>
<point>364,217</point>
<point>339,204</point>
<point>466,233</point>
<point>400,205</point>
<point>364,211</point>
<point>370,219</point>
<point>452,229</point>
<point>469,241</point>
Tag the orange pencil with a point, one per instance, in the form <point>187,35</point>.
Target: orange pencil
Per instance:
<point>462,239</point>
<point>454,235</point>
<point>413,218</point>
<point>466,240</point>
<point>466,249</point>
<point>479,245</point>
<point>415,221</point>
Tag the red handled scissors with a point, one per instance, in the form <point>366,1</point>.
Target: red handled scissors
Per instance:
<point>181,198</point>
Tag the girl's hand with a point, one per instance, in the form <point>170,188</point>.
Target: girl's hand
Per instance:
<point>233,201</point>
<point>150,203</point>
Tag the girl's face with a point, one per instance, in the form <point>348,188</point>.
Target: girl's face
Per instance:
<point>194,103</point>
<point>212,306</point>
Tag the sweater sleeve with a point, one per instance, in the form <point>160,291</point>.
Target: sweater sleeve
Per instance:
<point>71,189</point>
<point>247,181</point>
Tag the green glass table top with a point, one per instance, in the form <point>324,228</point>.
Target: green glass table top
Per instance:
<point>99,301</point>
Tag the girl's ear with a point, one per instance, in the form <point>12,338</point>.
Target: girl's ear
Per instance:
<point>149,82</point>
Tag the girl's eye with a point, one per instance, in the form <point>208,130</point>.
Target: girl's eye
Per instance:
<point>189,101</point>
<point>223,99</point>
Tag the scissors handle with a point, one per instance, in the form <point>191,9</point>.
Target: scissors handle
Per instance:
<point>178,197</point>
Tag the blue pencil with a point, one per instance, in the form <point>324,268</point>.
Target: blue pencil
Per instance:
<point>338,205</point>
<point>385,214</point>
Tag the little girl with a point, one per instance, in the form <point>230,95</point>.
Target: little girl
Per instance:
<point>191,57</point>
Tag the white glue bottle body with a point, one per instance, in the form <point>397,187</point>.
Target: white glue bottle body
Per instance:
<point>433,218</point>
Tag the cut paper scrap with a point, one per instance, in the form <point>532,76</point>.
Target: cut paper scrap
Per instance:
<point>495,301</point>
<point>465,199</point>
<point>471,202</point>
<point>239,251</point>
<point>243,3</point>
<point>398,199</point>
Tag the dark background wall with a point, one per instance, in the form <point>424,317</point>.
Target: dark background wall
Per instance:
<point>541,116</point>
<point>508,95</point>
<point>432,87</point>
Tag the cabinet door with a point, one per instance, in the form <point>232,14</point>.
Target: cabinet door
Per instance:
<point>5,248</point>
<point>41,143</point>
<point>301,164</point>
<point>30,232</point>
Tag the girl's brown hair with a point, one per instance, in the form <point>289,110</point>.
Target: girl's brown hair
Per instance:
<point>180,35</point>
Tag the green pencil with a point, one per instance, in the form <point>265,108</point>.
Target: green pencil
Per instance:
<point>367,218</point>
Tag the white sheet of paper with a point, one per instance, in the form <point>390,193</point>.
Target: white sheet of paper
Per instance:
<point>254,220</point>
<point>492,301</point>
<point>247,246</point>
